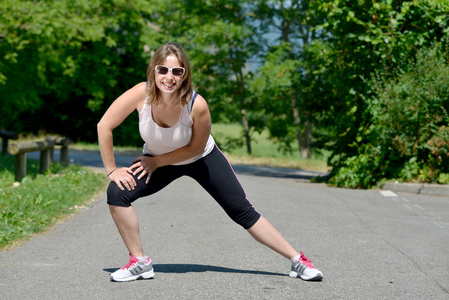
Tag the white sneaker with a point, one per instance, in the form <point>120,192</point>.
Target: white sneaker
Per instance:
<point>134,270</point>
<point>305,270</point>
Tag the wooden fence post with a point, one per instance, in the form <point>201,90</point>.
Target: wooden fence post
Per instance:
<point>20,150</point>
<point>64,159</point>
<point>45,160</point>
<point>20,166</point>
<point>6,135</point>
<point>5,145</point>
<point>64,143</point>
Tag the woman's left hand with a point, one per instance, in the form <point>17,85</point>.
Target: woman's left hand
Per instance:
<point>145,165</point>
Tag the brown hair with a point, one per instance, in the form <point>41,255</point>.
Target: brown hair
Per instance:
<point>186,89</point>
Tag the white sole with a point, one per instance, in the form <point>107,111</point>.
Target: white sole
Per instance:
<point>146,275</point>
<point>317,277</point>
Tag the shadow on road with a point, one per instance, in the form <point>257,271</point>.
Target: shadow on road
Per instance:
<point>195,268</point>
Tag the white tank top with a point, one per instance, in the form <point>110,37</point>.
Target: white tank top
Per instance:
<point>160,140</point>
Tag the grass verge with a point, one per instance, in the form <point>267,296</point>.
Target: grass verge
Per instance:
<point>41,200</point>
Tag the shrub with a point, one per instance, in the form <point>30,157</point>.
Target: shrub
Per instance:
<point>409,118</point>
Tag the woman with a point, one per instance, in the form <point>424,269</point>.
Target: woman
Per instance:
<point>175,124</point>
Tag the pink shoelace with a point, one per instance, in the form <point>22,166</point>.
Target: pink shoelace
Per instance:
<point>132,261</point>
<point>306,261</point>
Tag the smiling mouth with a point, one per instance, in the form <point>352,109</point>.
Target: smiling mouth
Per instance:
<point>168,85</point>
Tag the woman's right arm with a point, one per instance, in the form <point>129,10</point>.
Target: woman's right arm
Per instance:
<point>119,110</point>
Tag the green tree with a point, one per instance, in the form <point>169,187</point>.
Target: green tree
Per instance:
<point>220,43</point>
<point>286,75</point>
<point>63,60</point>
<point>365,36</point>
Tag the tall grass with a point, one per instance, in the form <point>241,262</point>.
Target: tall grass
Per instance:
<point>264,151</point>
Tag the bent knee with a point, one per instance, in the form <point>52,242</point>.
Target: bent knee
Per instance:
<point>118,197</point>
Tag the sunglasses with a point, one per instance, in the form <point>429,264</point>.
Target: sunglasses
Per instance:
<point>176,71</point>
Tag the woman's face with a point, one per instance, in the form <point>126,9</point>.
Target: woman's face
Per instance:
<point>169,83</point>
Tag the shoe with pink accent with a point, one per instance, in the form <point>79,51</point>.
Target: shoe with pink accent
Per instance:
<point>135,269</point>
<point>305,270</point>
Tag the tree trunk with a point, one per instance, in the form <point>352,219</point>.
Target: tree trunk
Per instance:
<point>243,101</point>
<point>246,130</point>
<point>304,141</point>
<point>308,135</point>
<point>297,121</point>
<point>301,143</point>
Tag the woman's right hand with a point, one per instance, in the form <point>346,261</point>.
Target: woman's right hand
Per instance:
<point>123,178</point>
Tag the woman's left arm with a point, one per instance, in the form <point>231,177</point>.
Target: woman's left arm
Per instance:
<point>200,134</point>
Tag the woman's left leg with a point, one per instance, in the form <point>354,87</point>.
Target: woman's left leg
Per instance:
<point>217,177</point>
<point>267,235</point>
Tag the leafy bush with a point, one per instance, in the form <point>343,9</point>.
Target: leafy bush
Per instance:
<point>408,125</point>
<point>358,171</point>
<point>443,178</point>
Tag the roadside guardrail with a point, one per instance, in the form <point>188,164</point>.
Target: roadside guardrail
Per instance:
<point>46,148</point>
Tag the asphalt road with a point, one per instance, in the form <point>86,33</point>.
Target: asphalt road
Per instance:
<point>370,244</point>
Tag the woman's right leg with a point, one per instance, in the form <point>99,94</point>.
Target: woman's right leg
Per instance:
<point>139,266</point>
<point>125,219</point>
<point>123,213</point>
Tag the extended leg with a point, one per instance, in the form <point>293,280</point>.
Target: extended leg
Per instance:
<point>125,219</point>
<point>266,234</point>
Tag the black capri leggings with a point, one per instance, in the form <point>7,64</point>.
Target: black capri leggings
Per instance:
<point>213,172</point>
